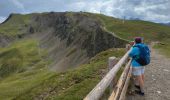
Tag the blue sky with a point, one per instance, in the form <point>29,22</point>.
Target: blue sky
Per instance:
<point>150,10</point>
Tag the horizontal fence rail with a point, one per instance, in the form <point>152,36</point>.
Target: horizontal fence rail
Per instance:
<point>121,82</point>
<point>100,88</point>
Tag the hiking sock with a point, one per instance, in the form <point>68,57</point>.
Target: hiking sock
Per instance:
<point>139,92</point>
<point>137,86</point>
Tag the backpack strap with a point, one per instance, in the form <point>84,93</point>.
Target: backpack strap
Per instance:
<point>137,56</point>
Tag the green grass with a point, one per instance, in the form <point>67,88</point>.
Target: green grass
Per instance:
<point>25,74</point>
<point>20,56</point>
<point>133,28</point>
<point>20,83</point>
<point>16,25</point>
<point>22,68</point>
<point>164,47</point>
<point>74,84</point>
<point>130,29</point>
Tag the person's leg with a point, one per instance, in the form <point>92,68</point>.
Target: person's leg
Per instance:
<point>143,70</point>
<point>140,77</point>
<point>136,72</point>
<point>136,82</point>
<point>141,83</point>
<point>143,77</point>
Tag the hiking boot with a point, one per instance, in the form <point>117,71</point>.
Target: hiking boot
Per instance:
<point>139,92</point>
<point>137,86</point>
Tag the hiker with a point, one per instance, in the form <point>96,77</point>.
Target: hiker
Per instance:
<point>140,55</point>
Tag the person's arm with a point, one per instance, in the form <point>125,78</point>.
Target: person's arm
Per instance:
<point>134,52</point>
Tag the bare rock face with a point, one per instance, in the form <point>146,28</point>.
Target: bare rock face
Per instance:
<point>5,40</point>
<point>80,30</point>
<point>72,38</point>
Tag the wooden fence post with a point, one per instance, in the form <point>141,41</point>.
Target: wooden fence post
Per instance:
<point>128,46</point>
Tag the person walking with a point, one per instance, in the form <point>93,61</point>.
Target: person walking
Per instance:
<point>140,55</point>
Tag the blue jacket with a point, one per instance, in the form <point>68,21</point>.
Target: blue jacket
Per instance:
<point>135,52</point>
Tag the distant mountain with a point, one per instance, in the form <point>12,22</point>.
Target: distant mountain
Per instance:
<point>134,18</point>
<point>168,24</point>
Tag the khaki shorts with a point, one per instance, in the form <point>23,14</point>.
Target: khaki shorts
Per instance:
<point>138,70</point>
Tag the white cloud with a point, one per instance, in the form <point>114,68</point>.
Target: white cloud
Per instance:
<point>19,5</point>
<point>2,19</point>
<point>95,6</point>
<point>152,10</point>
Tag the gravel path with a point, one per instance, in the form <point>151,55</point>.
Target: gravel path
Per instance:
<point>157,79</point>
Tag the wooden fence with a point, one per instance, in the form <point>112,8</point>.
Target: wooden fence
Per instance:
<point>118,92</point>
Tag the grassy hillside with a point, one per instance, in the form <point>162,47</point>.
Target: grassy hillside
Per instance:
<point>74,84</point>
<point>25,82</point>
<point>127,30</point>
<point>132,28</point>
<point>20,56</point>
<point>15,25</point>
<point>22,67</point>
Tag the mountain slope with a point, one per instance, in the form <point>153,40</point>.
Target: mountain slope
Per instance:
<point>132,28</point>
<point>66,36</point>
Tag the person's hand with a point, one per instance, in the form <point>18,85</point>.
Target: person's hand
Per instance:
<point>132,43</point>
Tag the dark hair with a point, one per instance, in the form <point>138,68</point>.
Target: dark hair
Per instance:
<point>138,39</point>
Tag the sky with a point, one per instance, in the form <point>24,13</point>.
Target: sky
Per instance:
<point>150,10</point>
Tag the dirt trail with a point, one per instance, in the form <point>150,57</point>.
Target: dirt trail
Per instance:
<point>157,79</point>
